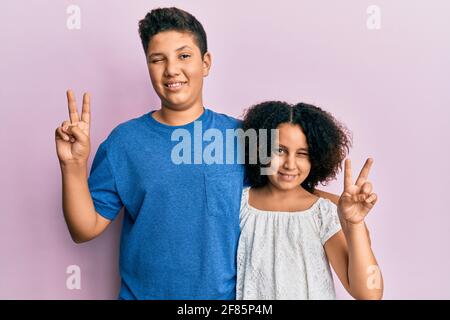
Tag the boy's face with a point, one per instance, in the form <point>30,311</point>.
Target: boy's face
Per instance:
<point>177,69</point>
<point>291,159</point>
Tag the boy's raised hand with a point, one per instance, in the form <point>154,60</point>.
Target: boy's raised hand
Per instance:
<point>72,137</point>
<point>357,198</point>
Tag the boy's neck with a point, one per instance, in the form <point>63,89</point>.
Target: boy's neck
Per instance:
<point>173,117</point>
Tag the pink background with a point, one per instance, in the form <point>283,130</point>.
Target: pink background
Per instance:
<point>390,86</point>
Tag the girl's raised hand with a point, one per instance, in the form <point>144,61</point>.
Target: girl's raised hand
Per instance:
<point>72,137</point>
<point>357,198</point>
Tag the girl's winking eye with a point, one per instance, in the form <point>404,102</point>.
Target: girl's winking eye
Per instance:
<point>302,154</point>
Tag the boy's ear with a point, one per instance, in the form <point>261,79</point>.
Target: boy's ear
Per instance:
<point>206,63</point>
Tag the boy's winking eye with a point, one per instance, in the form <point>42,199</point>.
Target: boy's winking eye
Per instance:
<point>158,56</point>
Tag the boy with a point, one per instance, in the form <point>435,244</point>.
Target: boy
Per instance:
<point>181,222</point>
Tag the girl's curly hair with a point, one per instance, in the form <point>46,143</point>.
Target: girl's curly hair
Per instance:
<point>328,140</point>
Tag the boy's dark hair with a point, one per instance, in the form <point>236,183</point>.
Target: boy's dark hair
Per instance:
<point>165,19</point>
<point>328,140</point>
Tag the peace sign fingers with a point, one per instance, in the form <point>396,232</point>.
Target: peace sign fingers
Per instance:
<point>72,104</point>
<point>358,198</point>
<point>364,174</point>
<point>347,175</point>
<point>86,111</point>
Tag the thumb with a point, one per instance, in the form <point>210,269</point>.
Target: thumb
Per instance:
<point>78,134</point>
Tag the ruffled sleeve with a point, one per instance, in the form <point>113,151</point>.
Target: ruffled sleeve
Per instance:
<point>329,223</point>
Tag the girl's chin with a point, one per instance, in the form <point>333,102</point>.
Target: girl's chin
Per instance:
<point>288,180</point>
<point>283,185</point>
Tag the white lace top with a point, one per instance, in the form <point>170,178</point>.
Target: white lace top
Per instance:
<point>281,255</point>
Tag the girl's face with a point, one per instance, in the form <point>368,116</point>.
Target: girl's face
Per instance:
<point>291,160</point>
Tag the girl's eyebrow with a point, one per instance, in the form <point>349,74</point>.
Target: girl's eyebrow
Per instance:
<point>299,149</point>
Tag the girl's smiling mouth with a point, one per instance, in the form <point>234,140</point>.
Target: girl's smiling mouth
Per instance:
<point>287,177</point>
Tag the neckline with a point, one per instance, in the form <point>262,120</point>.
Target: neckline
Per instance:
<point>153,122</point>
<point>305,212</point>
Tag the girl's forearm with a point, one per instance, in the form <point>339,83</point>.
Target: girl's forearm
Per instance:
<point>364,275</point>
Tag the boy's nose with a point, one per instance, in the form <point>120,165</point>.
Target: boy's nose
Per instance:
<point>172,69</point>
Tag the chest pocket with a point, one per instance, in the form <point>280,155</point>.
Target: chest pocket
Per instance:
<point>223,192</point>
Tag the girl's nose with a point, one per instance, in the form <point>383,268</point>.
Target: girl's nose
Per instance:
<point>289,163</point>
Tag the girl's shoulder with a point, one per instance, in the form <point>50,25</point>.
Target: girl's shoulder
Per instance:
<point>325,208</point>
<point>245,192</point>
<point>244,198</point>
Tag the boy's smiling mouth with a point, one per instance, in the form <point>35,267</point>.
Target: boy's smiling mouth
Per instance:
<point>174,85</point>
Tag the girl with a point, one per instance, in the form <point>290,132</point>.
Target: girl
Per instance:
<point>289,235</point>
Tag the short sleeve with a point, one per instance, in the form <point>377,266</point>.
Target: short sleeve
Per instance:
<point>329,220</point>
<point>102,185</point>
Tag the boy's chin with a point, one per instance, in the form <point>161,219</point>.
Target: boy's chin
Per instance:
<point>177,105</point>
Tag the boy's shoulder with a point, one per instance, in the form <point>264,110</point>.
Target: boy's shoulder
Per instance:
<point>132,124</point>
<point>126,129</point>
<point>226,120</point>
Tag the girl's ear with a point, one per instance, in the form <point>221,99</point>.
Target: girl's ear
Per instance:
<point>207,59</point>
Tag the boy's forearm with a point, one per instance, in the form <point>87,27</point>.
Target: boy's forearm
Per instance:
<point>78,207</point>
<point>365,280</point>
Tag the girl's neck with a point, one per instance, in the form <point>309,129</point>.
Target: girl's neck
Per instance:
<point>272,191</point>
<point>269,198</point>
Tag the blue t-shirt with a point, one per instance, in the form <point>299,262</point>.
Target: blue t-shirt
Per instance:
<point>181,221</point>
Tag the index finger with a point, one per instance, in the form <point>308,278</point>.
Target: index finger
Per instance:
<point>347,174</point>
<point>86,110</point>
<point>364,172</point>
<point>73,113</point>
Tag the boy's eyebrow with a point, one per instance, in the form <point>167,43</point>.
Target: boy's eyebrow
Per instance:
<point>179,49</point>
<point>183,47</point>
